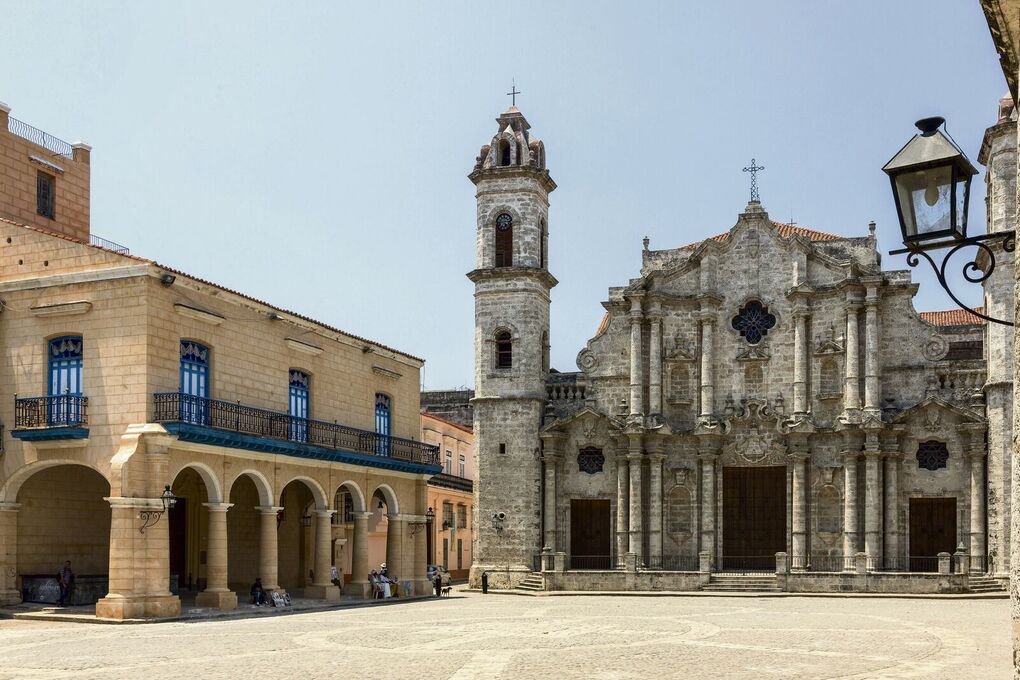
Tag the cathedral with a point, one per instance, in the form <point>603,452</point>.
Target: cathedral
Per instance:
<point>765,401</point>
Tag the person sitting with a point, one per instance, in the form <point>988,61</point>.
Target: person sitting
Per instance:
<point>259,596</point>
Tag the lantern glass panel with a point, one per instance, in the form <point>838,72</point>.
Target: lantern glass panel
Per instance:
<point>926,202</point>
<point>962,197</point>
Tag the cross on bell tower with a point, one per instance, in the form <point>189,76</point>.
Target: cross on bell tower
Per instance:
<point>754,169</point>
<point>513,93</point>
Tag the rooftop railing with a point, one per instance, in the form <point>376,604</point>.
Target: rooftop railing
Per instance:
<point>229,416</point>
<point>37,136</point>
<point>109,245</point>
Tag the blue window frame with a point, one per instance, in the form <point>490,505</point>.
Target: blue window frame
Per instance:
<point>382,424</point>
<point>194,383</point>
<point>298,406</point>
<point>63,407</point>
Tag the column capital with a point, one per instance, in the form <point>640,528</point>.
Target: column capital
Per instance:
<point>268,509</point>
<point>635,457</point>
<point>656,456</point>
<point>976,454</point>
<point>895,456</point>
<point>9,507</point>
<point>361,515</point>
<point>326,513</point>
<point>218,507</point>
<point>872,454</point>
<point>798,456</point>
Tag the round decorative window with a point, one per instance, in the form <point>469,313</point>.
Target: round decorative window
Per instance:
<point>932,455</point>
<point>590,460</point>
<point>504,221</point>
<point>753,321</point>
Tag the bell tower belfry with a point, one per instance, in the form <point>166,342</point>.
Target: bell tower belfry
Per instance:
<point>512,285</point>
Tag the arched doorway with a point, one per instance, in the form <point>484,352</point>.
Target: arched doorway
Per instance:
<point>244,541</point>
<point>297,526</point>
<point>64,517</point>
<point>189,529</point>
<point>385,535</point>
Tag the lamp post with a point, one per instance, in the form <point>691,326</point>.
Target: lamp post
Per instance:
<point>150,517</point>
<point>930,178</point>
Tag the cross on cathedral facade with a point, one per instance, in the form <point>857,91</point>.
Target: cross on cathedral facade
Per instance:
<point>754,169</point>
<point>513,94</point>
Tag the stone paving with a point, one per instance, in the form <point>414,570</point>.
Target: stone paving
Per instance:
<point>476,637</point>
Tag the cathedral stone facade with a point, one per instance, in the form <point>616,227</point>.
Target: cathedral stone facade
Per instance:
<point>764,400</point>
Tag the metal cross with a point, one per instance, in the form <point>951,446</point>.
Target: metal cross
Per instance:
<point>513,94</point>
<point>754,169</point>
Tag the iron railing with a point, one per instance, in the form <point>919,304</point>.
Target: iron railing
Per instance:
<point>109,245</point>
<point>174,407</point>
<point>451,482</point>
<point>589,562</point>
<point>672,563</point>
<point>913,563</point>
<point>37,136</point>
<point>749,564</point>
<point>61,410</point>
<point>823,562</point>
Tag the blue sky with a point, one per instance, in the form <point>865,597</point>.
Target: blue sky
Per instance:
<point>315,154</point>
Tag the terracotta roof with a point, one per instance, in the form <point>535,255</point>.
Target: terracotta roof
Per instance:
<point>447,421</point>
<point>953,317</point>
<point>603,325</point>
<point>214,285</point>
<point>785,230</point>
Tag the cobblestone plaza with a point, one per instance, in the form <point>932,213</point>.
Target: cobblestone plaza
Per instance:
<point>471,636</point>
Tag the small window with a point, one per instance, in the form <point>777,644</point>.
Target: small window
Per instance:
<point>343,502</point>
<point>504,350</point>
<point>447,515</point>
<point>502,448</point>
<point>753,321</point>
<point>504,153</point>
<point>45,194</point>
<point>590,460</point>
<point>462,517</point>
<point>448,468</point>
<point>382,424</point>
<point>504,240</point>
<point>932,455</point>
<point>462,466</point>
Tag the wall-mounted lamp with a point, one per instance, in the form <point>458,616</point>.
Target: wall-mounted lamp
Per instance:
<point>273,316</point>
<point>150,517</point>
<point>417,526</point>
<point>167,279</point>
<point>306,520</point>
<point>497,521</point>
<point>367,350</point>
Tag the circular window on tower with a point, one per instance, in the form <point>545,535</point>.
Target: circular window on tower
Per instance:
<point>753,321</point>
<point>504,221</point>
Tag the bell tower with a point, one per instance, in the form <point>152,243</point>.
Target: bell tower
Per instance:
<point>512,285</point>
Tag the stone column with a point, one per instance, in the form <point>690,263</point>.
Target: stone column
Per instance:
<point>655,507</point>
<point>892,510</point>
<point>978,557</point>
<point>322,587</point>
<point>852,393</point>
<point>800,363</point>
<point>217,593</point>
<point>708,458</point>
<point>421,503</point>
<point>655,362</point>
<point>622,507</point>
<point>549,509</point>
<point>872,383</point>
<point>707,407</point>
<point>636,375</point>
<point>798,519</point>
<point>849,503</point>
<point>9,593</point>
<point>358,585</point>
<point>634,458</point>
<point>872,507</point>
<point>269,570</point>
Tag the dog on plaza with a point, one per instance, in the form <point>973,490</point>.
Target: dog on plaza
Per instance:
<point>446,591</point>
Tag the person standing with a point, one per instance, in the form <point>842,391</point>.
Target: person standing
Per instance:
<point>65,579</point>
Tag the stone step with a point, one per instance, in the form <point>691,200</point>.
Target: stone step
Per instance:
<point>533,583</point>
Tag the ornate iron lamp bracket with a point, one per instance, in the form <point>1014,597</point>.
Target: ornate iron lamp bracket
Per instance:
<point>970,270</point>
<point>150,517</point>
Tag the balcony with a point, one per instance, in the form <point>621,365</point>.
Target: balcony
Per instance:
<point>234,425</point>
<point>62,416</point>
<point>451,482</point>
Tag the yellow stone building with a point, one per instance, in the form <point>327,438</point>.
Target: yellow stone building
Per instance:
<point>131,385</point>
<point>450,494</point>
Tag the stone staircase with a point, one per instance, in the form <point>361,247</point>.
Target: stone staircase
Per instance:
<point>534,583</point>
<point>986,584</point>
<point>740,583</point>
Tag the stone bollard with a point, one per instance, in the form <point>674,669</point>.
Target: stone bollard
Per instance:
<point>782,571</point>
<point>704,567</point>
<point>861,563</point>
<point>548,560</point>
<point>944,558</point>
<point>560,561</point>
<point>630,562</point>
<point>962,561</point>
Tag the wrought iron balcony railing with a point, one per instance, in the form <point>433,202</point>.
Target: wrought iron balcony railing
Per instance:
<point>451,482</point>
<point>174,407</point>
<point>62,410</point>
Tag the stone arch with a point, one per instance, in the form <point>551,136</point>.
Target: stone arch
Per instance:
<point>318,493</point>
<point>390,496</point>
<point>214,489</point>
<point>356,493</point>
<point>262,485</point>
<point>9,491</point>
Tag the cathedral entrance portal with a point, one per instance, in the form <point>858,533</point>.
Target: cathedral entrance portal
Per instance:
<point>932,530</point>
<point>589,534</point>
<point>754,517</point>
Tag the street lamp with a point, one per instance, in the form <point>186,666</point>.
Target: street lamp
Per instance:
<point>930,178</point>
<point>150,517</point>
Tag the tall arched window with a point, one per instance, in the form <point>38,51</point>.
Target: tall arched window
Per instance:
<point>299,406</point>
<point>382,424</point>
<point>541,245</point>
<point>504,153</point>
<point>504,350</point>
<point>504,240</point>
<point>65,360</point>
<point>194,382</point>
